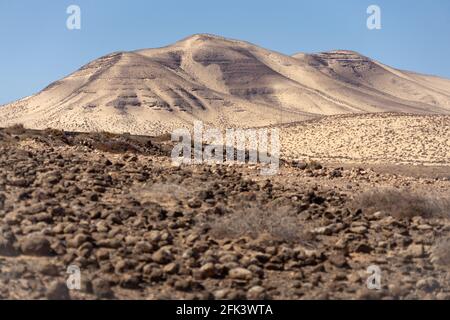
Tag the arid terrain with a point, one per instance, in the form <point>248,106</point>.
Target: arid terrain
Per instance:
<point>87,179</point>
<point>385,138</point>
<point>140,228</point>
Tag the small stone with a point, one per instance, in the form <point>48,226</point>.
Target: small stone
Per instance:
<point>93,196</point>
<point>358,230</point>
<point>2,201</point>
<point>102,289</point>
<point>109,243</point>
<point>415,251</point>
<point>58,291</point>
<point>143,247</point>
<point>155,275</point>
<point>443,296</point>
<point>256,293</point>
<point>162,256</point>
<point>399,290</point>
<point>363,248</point>
<point>424,227</point>
<point>221,294</point>
<point>366,294</point>
<point>7,247</point>
<point>171,268</point>
<point>19,182</point>
<point>338,260</point>
<point>77,241</point>
<point>36,245</point>
<point>327,230</point>
<point>183,285</point>
<point>207,271</point>
<point>130,281</point>
<point>378,215</point>
<point>194,203</point>
<point>48,269</point>
<point>428,284</point>
<point>240,274</point>
<point>102,254</point>
<point>52,177</point>
<point>13,218</point>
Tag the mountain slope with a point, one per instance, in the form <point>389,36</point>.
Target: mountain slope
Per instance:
<point>225,83</point>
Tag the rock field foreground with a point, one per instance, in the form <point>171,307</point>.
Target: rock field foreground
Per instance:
<point>139,228</point>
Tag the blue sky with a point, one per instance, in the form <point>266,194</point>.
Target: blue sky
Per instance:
<point>37,48</point>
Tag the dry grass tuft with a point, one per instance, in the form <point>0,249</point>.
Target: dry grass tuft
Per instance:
<point>54,132</point>
<point>441,252</point>
<point>115,146</point>
<point>403,203</point>
<point>307,165</point>
<point>15,129</point>
<point>279,223</point>
<point>162,193</point>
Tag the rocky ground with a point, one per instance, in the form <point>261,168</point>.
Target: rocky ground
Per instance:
<point>139,228</point>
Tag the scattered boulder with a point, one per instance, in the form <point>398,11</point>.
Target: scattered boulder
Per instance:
<point>240,274</point>
<point>58,291</point>
<point>36,245</point>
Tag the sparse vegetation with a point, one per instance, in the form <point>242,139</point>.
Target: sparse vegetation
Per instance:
<point>403,203</point>
<point>278,223</point>
<point>307,165</point>
<point>115,146</point>
<point>165,193</point>
<point>441,252</point>
<point>15,129</point>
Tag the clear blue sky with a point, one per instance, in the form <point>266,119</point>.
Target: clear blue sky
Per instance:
<point>37,48</point>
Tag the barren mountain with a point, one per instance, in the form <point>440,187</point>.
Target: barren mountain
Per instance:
<point>223,83</point>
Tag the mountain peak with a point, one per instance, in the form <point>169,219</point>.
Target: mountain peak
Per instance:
<point>205,38</point>
<point>223,82</point>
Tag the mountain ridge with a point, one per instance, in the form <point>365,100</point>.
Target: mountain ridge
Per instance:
<point>223,82</point>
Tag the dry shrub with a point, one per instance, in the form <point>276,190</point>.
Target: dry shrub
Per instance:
<point>162,193</point>
<point>279,223</point>
<point>164,137</point>
<point>4,138</point>
<point>51,134</point>
<point>403,203</point>
<point>106,142</point>
<point>103,135</point>
<point>307,165</point>
<point>314,165</point>
<point>441,252</point>
<point>115,146</point>
<point>54,132</point>
<point>15,129</point>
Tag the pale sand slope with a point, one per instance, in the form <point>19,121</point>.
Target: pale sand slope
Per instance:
<point>226,83</point>
<point>371,138</point>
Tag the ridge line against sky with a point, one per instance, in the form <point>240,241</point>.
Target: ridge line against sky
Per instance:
<point>37,47</point>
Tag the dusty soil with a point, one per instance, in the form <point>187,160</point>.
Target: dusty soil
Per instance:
<point>139,228</point>
<point>383,138</point>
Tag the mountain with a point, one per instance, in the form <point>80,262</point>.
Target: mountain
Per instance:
<point>223,82</point>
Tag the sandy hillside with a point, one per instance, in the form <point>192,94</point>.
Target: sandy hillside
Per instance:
<point>371,138</point>
<point>224,83</point>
